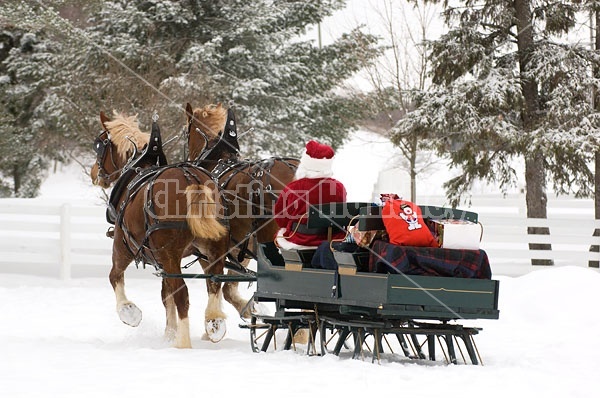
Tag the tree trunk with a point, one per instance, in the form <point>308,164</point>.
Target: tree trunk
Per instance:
<point>413,169</point>
<point>16,179</point>
<point>535,173</point>
<point>535,196</point>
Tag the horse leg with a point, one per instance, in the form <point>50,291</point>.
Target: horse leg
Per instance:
<point>230,290</point>
<point>233,297</point>
<point>128,312</point>
<point>174,295</point>
<point>180,297</point>
<point>214,317</point>
<point>170,309</point>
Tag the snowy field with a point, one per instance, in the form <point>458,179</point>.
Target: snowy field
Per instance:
<point>64,339</point>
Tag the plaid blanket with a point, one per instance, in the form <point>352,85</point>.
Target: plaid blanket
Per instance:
<point>429,261</point>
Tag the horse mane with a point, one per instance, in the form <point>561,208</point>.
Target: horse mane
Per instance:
<point>124,128</point>
<point>212,118</point>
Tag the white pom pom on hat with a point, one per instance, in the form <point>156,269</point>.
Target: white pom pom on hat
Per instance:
<point>316,161</point>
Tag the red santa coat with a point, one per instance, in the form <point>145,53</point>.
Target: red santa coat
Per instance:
<point>293,203</point>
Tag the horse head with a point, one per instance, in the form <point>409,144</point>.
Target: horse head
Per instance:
<point>211,133</point>
<point>119,141</point>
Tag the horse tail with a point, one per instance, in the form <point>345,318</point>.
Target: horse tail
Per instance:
<point>202,213</point>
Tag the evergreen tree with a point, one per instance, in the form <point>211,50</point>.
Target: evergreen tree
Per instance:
<point>25,60</point>
<point>36,125</point>
<point>155,55</point>
<point>147,56</point>
<point>508,84</point>
<point>249,54</point>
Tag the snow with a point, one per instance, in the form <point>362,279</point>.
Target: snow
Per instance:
<point>64,339</point>
<point>71,183</point>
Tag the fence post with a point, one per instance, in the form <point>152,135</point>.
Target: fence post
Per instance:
<point>595,249</point>
<point>533,245</point>
<point>532,240</point>
<point>65,241</point>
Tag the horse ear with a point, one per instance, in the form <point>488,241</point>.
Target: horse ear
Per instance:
<point>104,119</point>
<point>189,112</point>
<point>219,105</point>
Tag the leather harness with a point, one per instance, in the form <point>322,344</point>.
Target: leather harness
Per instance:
<point>224,154</point>
<point>141,173</point>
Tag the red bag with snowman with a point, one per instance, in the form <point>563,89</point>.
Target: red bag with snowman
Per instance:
<point>405,225</point>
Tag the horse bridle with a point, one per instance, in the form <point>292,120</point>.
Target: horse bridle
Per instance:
<point>206,150</point>
<point>102,147</point>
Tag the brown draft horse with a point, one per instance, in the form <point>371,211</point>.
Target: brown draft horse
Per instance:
<point>250,187</point>
<point>159,212</point>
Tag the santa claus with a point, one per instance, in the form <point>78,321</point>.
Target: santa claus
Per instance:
<point>313,185</point>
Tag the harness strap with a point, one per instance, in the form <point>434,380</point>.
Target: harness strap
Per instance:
<point>260,174</point>
<point>244,248</point>
<point>147,178</point>
<point>180,225</point>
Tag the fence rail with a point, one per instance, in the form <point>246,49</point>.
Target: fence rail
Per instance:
<point>70,240</point>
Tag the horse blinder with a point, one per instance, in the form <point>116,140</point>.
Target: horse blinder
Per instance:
<point>101,145</point>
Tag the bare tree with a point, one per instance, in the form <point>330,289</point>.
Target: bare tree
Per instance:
<point>400,71</point>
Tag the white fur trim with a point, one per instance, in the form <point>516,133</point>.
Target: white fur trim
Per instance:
<point>287,245</point>
<point>314,168</point>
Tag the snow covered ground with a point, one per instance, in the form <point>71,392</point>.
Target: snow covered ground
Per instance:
<point>64,339</point>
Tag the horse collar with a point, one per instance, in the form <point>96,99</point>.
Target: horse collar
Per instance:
<point>229,136</point>
<point>227,139</point>
<point>152,154</point>
<point>230,131</point>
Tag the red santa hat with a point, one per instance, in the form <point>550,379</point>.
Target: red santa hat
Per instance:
<point>316,161</point>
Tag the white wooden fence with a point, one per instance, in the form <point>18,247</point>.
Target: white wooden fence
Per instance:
<point>505,239</point>
<point>53,239</point>
<point>69,240</point>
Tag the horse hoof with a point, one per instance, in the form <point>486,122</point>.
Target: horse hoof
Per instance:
<point>215,329</point>
<point>130,314</point>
